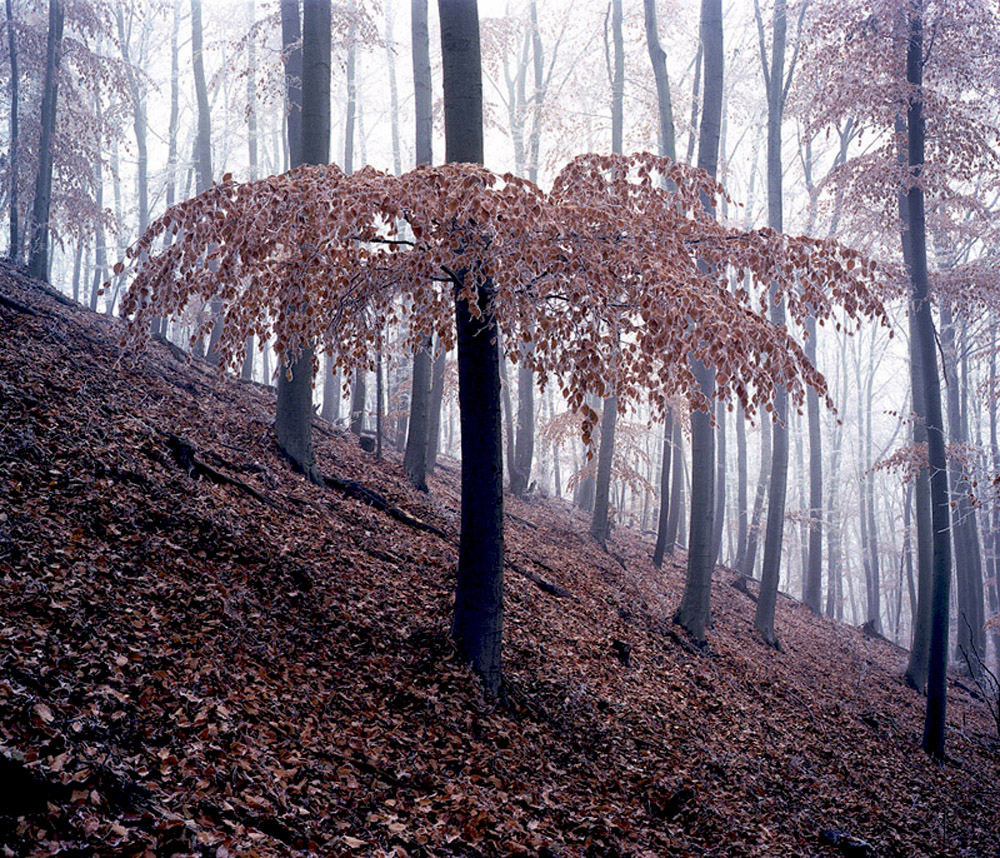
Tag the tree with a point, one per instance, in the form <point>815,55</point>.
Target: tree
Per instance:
<point>418,437</point>
<point>776,83</point>
<point>667,148</point>
<point>695,604</point>
<point>478,620</point>
<point>600,524</point>
<point>13,251</point>
<point>293,414</point>
<point>937,679</point>
<point>38,251</point>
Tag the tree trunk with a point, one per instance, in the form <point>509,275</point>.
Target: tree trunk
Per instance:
<point>971,636</point>
<point>291,35</point>
<point>934,722</point>
<point>478,621</point>
<point>813,584</point>
<point>390,58</point>
<point>415,457</point>
<point>359,395</point>
<point>293,418</point>
<point>14,250</point>
<point>774,80</point>
<point>352,89</point>
<point>203,143</point>
<point>664,515</point>
<point>599,525</point>
<point>694,609</point>
<point>434,410</point>
<point>675,521</point>
<point>719,515</point>
<point>418,438</point>
<point>38,253</point>
<point>100,238</point>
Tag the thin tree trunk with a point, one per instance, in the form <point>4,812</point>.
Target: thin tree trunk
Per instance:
<point>934,722</point>
<point>390,58</point>
<point>664,515</point>
<point>600,524</point>
<point>352,89</point>
<point>434,411</point>
<point>14,250</point>
<point>38,253</point>
<point>774,80</point>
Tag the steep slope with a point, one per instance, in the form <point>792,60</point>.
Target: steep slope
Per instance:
<point>203,654</point>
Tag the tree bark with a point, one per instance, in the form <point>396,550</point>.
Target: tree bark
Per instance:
<point>418,439</point>
<point>203,143</point>
<point>352,89</point>
<point>14,250</point>
<point>693,613</point>
<point>38,253</point>
<point>664,515</point>
<point>434,410</point>
<point>599,525</point>
<point>291,48</point>
<point>478,620</point>
<point>934,721</point>
<point>293,418</point>
<point>774,80</point>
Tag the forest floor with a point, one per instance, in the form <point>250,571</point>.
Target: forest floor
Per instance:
<point>203,654</point>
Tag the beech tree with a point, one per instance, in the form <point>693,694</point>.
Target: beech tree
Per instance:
<point>38,249</point>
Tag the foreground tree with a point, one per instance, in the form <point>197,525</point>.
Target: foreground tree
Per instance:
<point>293,414</point>
<point>693,613</point>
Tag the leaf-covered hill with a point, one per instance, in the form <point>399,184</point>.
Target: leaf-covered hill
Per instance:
<point>203,654</point>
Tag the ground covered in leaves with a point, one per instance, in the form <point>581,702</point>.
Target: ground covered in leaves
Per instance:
<point>203,654</point>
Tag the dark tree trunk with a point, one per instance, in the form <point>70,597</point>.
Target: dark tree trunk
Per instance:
<point>38,253</point>
<point>415,458</point>
<point>812,585</point>
<point>599,525</point>
<point>14,251</point>
<point>753,538</point>
<point>478,621</point>
<point>664,515</point>
<point>971,635</point>
<point>293,417</point>
<point>203,142</point>
<point>694,609</point>
<point>675,521</point>
<point>774,80</point>
<point>100,274</point>
<point>934,722</point>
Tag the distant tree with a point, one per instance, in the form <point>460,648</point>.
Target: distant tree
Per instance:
<point>13,251</point>
<point>38,250</point>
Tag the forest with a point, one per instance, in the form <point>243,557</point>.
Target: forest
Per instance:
<point>479,428</point>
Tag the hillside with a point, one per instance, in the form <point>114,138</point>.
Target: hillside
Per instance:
<point>203,654</point>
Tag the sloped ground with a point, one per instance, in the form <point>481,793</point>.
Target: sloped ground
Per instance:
<point>245,664</point>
